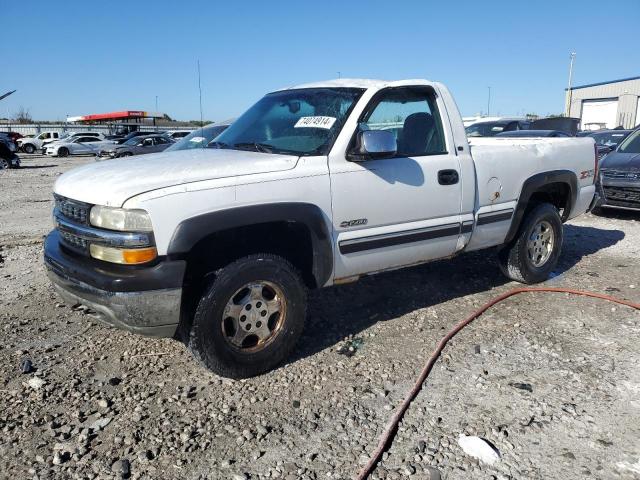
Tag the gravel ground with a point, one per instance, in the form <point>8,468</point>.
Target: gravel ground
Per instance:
<point>552,382</point>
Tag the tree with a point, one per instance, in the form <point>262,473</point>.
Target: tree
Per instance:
<point>23,116</point>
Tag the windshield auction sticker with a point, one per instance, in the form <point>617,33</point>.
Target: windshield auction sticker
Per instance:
<point>315,122</point>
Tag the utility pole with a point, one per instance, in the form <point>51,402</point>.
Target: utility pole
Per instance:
<point>489,103</point>
<point>156,103</point>
<point>572,56</point>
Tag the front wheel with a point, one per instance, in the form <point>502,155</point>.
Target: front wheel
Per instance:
<point>63,152</point>
<point>534,253</point>
<point>28,148</point>
<point>249,319</point>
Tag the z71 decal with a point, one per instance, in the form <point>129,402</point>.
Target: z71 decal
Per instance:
<point>354,223</point>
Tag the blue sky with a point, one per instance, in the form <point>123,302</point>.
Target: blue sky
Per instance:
<point>101,56</point>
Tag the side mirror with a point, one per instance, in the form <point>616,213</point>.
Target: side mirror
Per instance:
<point>373,144</point>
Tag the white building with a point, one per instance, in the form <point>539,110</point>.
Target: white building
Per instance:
<point>606,104</point>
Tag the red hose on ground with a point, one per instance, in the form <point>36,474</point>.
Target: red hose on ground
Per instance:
<point>387,435</point>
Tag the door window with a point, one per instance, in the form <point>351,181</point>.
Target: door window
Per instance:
<point>411,114</point>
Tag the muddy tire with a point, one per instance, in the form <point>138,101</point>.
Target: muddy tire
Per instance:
<point>249,319</point>
<point>534,253</point>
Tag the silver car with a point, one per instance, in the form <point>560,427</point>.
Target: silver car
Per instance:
<point>140,145</point>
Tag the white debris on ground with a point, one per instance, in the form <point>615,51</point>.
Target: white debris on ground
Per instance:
<point>478,448</point>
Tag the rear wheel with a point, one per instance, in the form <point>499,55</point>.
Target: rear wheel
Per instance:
<point>4,163</point>
<point>249,319</point>
<point>63,152</point>
<point>534,253</point>
<point>29,148</point>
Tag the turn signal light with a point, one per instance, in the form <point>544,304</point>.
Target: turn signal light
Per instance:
<point>132,256</point>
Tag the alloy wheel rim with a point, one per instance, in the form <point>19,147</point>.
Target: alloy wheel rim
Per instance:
<point>253,316</point>
<point>540,243</point>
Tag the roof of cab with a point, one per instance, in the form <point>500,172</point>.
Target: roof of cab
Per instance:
<point>360,83</point>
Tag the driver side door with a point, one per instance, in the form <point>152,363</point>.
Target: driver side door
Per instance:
<point>403,209</point>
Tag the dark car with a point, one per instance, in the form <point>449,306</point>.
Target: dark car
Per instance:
<point>492,128</point>
<point>138,145</point>
<point>131,135</point>
<point>619,178</point>
<point>13,135</point>
<point>8,157</point>
<point>607,140</point>
<point>564,124</point>
<point>200,138</point>
<point>533,133</point>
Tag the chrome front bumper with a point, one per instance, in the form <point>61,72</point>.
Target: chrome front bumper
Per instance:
<point>142,300</point>
<point>145,313</point>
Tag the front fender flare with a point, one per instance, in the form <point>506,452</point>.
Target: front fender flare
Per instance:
<point>189,232</point>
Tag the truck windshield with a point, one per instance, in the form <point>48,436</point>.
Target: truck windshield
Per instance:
<point>631,143</point>
<point>298,122</point>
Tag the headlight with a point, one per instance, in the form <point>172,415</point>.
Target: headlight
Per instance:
<point>121,219</point>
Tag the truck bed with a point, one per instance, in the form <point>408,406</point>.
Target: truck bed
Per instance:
<point>503,164</point>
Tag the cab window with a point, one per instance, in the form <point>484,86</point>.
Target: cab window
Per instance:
<point>411,114</point>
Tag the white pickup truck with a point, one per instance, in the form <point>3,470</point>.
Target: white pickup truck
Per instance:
<point>32,144</point>
<point>314,185</point>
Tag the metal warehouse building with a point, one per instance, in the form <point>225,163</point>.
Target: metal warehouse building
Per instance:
<point>606,104</point>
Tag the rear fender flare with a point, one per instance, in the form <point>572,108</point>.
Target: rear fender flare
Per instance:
<point>534,184</point>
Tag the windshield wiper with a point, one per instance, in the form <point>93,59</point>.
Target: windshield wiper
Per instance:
<point>258,147</point>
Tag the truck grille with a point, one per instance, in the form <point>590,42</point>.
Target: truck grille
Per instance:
<point>73,210</point>
<point>624,195</point>
<point>621,175</point>
<point>73,241</point>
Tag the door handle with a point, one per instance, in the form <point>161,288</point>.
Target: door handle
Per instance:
<point>448,177</point>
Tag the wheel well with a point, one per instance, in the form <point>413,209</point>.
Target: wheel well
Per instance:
<point>557,194</point>
<point>290,240</point>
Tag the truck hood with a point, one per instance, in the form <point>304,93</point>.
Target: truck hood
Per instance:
<point>112,182</point>
<point>621,161</point>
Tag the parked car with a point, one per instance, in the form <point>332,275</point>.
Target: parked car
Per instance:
<point>8,141</point>
<point>309,188</point>
<point>131,135</point>
<point>31,145</point>
<point>177,134</point>
<point>8,157</point>
<point>533,133</point>
<point>77,146</point>
<point>139,145</point>
<point>609,138</point>
<point>568,125</point>
<point>13,135</point>
<point>67,136</point>
<point>619,177</point>
<point>200,138</point>
<point>492,128</point>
